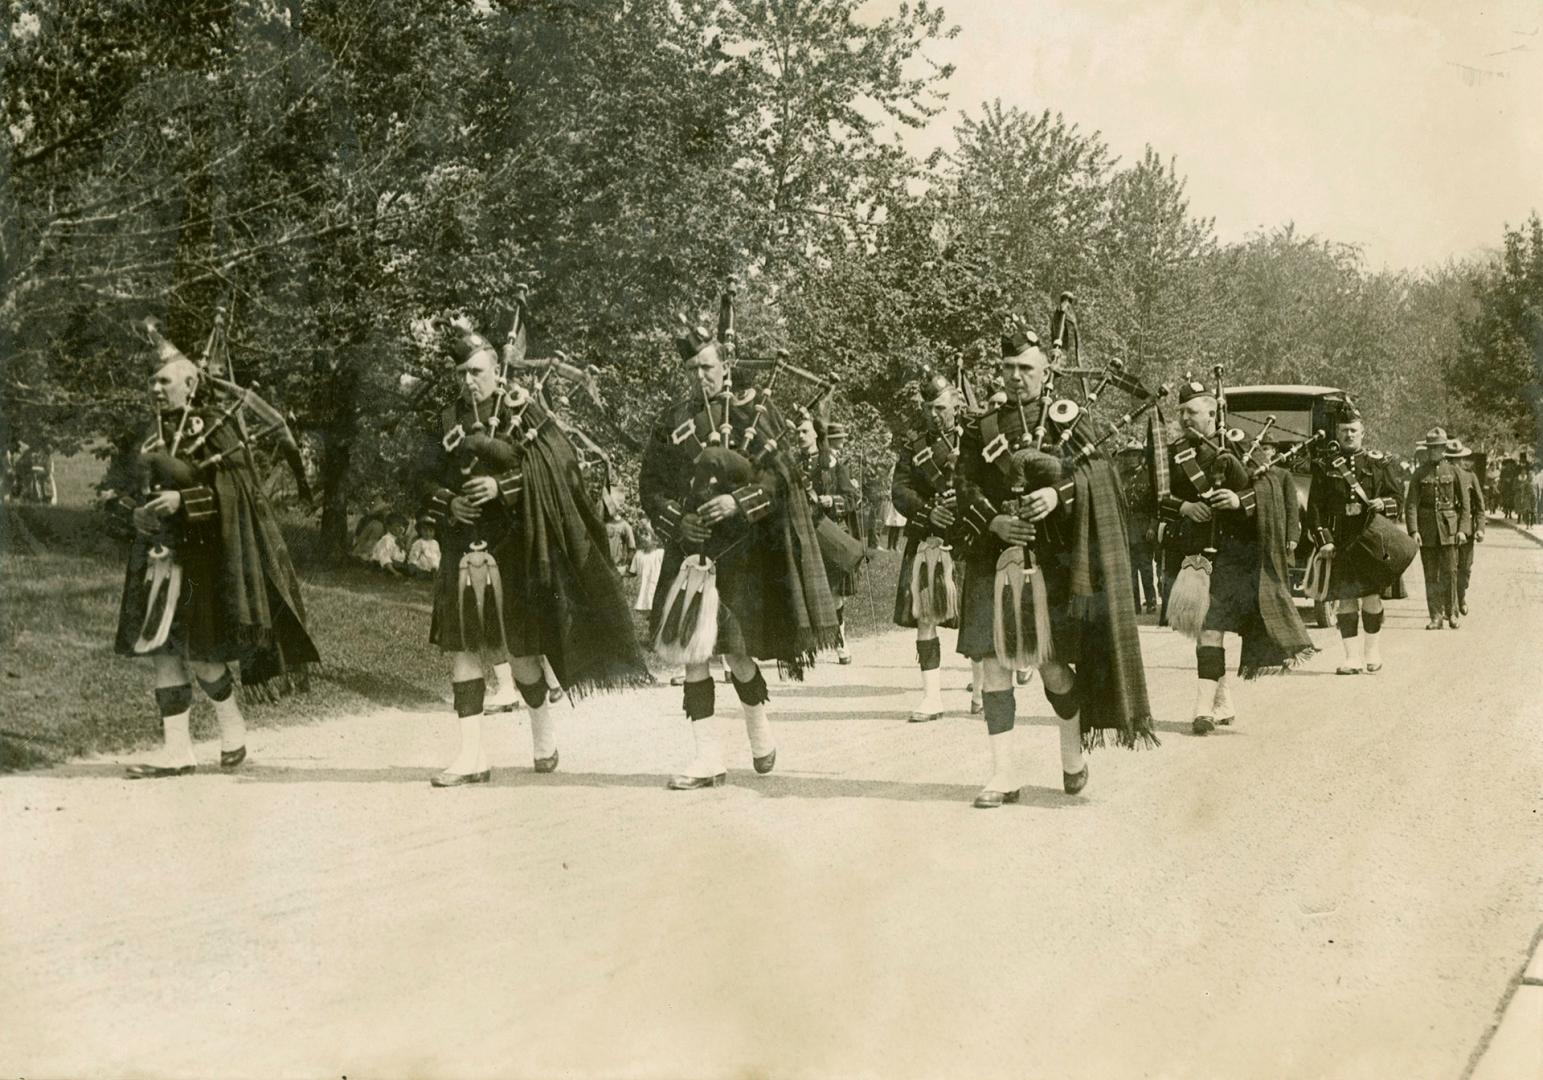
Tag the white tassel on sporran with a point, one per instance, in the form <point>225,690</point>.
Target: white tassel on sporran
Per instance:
<point>1190,599</point>
<point>1020,613</point>
<point>934,593</point>
<point>688,633</point>
<point>163,588</point>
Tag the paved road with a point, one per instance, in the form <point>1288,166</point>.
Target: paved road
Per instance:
<point>1339,887</point>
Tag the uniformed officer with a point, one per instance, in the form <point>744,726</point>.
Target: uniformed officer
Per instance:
<point>1462,457</point>
<point>1337,516</point>
<point>1437,515</point>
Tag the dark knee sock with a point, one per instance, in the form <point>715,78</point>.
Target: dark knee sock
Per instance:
<point>1349,623</point>
<point>468,696</point>
<point>753,690</point>
<point>699,698</point>
<point>220,688</point>
<point>534,693</point>
<point>1001,710</point>
<point>1065,705</point>
<point>929,654</point>
<point>174,700</point>
<point>1372,620</point>
<point>1210,662</point>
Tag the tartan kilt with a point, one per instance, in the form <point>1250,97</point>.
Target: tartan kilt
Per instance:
<point>1354,575</point>
<point>977,608</point>
<point>522,628</point>
<point>1234,586</point>
<point>841,582</point>
<point>903,615</point>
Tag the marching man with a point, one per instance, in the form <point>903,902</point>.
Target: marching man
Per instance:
<point>1047,582</point>
<point>1348,490</point>
<point>1437,514</point>
<point>525,568</point>
<point>747,578</point>
<point>927,592</point>
<point>1462,457</point>
<point>209,579</point>
<point>1234,577</point>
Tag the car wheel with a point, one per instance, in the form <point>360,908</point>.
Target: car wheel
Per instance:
<point>1323,614</point>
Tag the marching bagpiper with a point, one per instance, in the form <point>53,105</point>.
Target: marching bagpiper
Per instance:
<point>209,580</point>
<point>927,590</point>
<point>833,499</point>
<point>1048,578</point>
<point>748,579</point>
<point>1231,529</point>
<point>1354,491</point>
<point>525,568</point>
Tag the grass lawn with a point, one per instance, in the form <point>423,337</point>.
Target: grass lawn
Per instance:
<point>63,692</point>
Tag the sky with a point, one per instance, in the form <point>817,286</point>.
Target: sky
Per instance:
<point>1413,128</point>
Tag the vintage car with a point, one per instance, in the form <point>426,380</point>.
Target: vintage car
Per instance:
<point>1299,411</point>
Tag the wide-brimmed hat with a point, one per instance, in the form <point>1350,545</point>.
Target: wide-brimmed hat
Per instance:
<point>1455,448</point>
<point>1436,439</point>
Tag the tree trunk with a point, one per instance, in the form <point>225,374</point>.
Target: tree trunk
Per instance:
<point>337,450</point>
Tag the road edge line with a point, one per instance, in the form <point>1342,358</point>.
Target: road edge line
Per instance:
<point>1515,984</point>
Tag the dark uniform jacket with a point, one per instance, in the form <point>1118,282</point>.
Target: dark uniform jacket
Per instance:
<point>240,596</point>
<point>562,598</point>
<point>1185,457</point>
<point>924,477</point>
<point>1334,508</point>
<point>770,576</point>
<point>1476,505</point>
<point>1438,507</point>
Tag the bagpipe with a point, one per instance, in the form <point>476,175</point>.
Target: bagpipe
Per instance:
<point>194,450</point>
<point>1386,549</point>
<point>1045,455</point>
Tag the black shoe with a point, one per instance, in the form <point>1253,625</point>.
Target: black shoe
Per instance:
<point>1202,725</point>
<point>1434,624</point>
<point>990,800</point>
<point>547,764</point>
<point>691,783</point>
<point>1452,622</point>
<point>677,680</point>
<point>229,759</point>
<point>1462,607</point>
<point>554,695</point>
<point>1074,782</point>
<point>1022,678</point>
<point>157,772</point>
<point>450,779</point>
<point>764,765</point>
<point>1225,721</point>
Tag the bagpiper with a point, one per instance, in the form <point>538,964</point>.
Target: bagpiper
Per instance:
<point>1047,581</point>
<point>1478,513</point>
<point>833,499</point>
<point>1233,543</point>
<point>1438,515</point>
<point>927,590</point>
<point>209,580</point>
<point>525,567</point>
<point>1354,493</point>
<point>747,577</point>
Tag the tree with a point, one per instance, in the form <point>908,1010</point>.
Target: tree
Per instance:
<point>1497,366</point>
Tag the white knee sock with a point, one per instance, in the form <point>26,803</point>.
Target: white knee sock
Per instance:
<point>1071,746</point>
<point>1004,763</point>
<point>543,731</point>
<point>471,758</point>
<point>758,728</point>
<point>178,740</point>
<point>1205,697</point>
